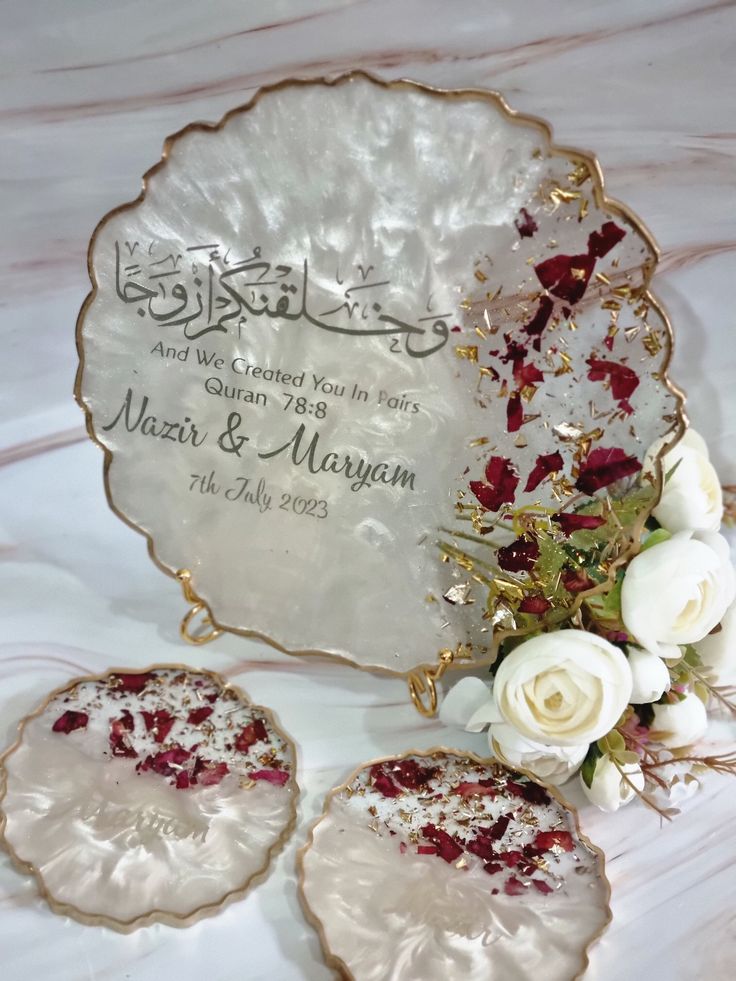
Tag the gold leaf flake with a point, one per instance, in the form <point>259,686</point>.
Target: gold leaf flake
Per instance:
<point>652,343</point>
<point>567,432</point>
<point>579,175</point>
<point>459,594</point>
<point>469,351</point>
<point>480,441</point>
<point>480,276</point>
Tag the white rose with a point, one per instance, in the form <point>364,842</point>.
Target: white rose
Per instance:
<point>677,724</point>
<point>564,688</point>
<point>718,651</point>
<point>609,789</point>
<point>552,764</point>
<point>650,675</point>
<point>677,591</point>
<point>469,705</point>
<point>692,498</point>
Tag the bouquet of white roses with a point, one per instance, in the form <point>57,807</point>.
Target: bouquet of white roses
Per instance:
<point>619,692</point>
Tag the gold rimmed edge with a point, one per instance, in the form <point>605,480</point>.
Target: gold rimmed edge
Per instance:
<point>610,206</point>
<point>155,915</point>
<point>335,962</point>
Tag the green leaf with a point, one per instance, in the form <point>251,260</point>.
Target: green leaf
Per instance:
<point>589,764</point>
<point>691,657</point>
<point>655,538</point>
<point>613,743</point>
<point>671,471</point>
<point>607,606</point>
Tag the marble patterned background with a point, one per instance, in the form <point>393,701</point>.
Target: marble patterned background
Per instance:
<point>88,91</point>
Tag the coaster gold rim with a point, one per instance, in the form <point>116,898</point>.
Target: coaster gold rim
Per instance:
<point>154,915</point>
<point>333,960</point>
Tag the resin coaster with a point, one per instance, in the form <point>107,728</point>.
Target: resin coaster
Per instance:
<point>342,323</point>
<point>437,865</point>
<point>148,797</point>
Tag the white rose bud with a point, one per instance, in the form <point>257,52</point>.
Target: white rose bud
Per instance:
<point>678,724</point>
<point>563,688</point>
<point>650,675</point>
<point>692,498</point>
<point>677,591</point>
<point>718,651</point>
<point>609,789</point>
<point>551,764</point>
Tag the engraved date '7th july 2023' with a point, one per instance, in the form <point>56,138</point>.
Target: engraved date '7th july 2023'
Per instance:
<point>257,494</point>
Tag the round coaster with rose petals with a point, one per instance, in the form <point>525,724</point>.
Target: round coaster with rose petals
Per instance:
<point>147,797</point>
<point>438,865</point>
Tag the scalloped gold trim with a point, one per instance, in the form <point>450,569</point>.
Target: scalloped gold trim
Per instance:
<point>155,915</point>
<point>606,204</point>
<point>335,962</point>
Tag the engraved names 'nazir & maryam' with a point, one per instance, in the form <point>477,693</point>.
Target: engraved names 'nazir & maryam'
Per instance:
<point>300,449</point>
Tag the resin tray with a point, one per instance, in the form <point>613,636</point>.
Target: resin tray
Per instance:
<point>341,320</point>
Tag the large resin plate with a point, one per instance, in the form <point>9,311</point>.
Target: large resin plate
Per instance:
<point>437,865</point>
<point>339,318</point>
<point>149,797</point>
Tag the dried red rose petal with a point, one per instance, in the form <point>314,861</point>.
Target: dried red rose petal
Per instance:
<point>576,580</point>
<point>210,774</point>
<point>571,522</point>
<point>519,556</point>
<point>600,243</point>
<point>554,839</point>
<point>383,783</point>
<point>132,682</point>
<point>546,464</point>
<point>199,715</point>
<point>475,789</point>
<point>512,887</point>
<point>168,762</point>
<point>448,849</point>
<point>536,605</point>
<point>426,849</point>
<point>482,846</point>
<point>410,774</point>
<point>528,791</point>
<point>604,466</point>
<point>511,858</point>
<point>566,276</point>
<point>277,777</point>
<point>182,780</point>
<point>501,481</point>
<point>526,226</point>
<point>159,722</point>
<point>542,886</point>
<point>514,413</point>
<point>539,321</point>
<point>527,374</point>
<point>254,732</point>
<point>492,867</point>
<point>127,721</point>
<point>624,380</point>
<point>69,721</point>
<point>119,742</point>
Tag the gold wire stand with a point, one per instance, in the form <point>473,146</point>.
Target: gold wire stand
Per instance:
<point>190,633</point>
<point>423,684</point>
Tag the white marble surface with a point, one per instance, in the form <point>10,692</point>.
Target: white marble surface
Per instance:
<point>87,93</point>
